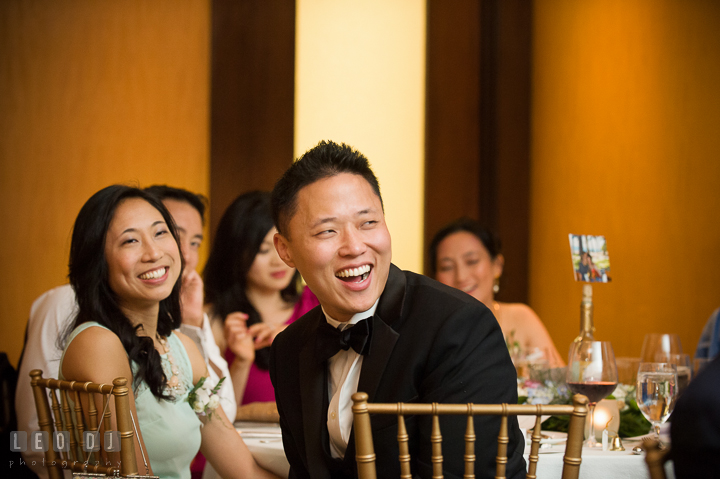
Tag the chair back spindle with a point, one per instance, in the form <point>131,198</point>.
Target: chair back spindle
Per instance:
<point>470,445</point>
<point>436,440</point>
<point>403,447</point>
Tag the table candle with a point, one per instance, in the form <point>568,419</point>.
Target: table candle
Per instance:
<point>607,410</point>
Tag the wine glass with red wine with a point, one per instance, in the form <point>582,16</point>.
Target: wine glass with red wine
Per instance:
<point>592,372</point>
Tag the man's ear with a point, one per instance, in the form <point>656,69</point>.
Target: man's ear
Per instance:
<point>283,249</point>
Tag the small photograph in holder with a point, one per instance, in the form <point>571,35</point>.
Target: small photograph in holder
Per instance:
<point>590,258</point>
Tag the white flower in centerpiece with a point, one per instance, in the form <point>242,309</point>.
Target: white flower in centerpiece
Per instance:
<point>214,402</point>
<point>622,393</point>
<point>540,395</point>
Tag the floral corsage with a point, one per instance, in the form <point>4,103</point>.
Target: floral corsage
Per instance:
<point>203,399</point>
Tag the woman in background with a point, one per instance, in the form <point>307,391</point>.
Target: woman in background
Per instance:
<point>251,294</point>
<point>467,256</point>
<point>126,270</point>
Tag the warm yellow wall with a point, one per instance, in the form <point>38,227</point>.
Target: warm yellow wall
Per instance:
<point>360,79</point>
<point>625,143</point>
<point>91,93</point>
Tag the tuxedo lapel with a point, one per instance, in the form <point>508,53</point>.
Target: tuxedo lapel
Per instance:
<point>314,380</point>
<point>375,362</point>
<point>382,342</point>
<point>384,336</point>
<point>313,390</point>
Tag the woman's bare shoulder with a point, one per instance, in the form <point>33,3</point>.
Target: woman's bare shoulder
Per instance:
<point>519,311</point>
<point>96,338</point>
<point>95,354</point>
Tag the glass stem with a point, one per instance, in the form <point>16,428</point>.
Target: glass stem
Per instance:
<point>591,440</point>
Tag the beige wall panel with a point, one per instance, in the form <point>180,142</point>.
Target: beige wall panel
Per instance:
<point>360,80</point>
<point>625,143</point>
<point>92,93</point>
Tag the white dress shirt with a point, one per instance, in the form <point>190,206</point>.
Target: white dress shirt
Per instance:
<point>344,369</point>
<point>50,315</point>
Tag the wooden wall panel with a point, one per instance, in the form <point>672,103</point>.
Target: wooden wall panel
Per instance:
<point>452,114</point>
<point>477,125</point>
<point>505,123</point>
<point>91,93</point>
<point>252,104</point>
<point>625,114</point>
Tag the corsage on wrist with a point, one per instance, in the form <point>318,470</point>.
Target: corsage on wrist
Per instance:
<point>203,399</point>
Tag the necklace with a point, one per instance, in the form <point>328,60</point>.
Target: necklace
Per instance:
<point>174,385</point>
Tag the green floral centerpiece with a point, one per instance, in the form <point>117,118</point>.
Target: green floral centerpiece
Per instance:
<point>547,386</point>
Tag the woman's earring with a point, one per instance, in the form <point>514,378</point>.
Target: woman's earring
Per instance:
<point>496,285</point>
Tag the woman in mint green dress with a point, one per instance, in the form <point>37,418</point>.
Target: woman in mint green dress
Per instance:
<point>125,267</point>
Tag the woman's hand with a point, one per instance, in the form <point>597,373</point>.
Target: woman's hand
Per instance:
<point>238,337</point>
<point>191,299</point>
<point>264,334</point>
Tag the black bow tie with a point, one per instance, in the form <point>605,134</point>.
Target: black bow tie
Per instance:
<point>331,340</point>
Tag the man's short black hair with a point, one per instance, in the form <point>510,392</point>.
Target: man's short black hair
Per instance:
<point>322,161</point>
<point>164,192</point>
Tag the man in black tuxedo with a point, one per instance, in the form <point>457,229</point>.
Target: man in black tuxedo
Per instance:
<point>393,334</point>
<point>695,427</point>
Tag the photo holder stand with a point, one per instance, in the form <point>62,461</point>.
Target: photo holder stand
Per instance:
<point>591,264</point>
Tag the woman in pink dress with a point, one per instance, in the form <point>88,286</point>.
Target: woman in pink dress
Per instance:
<point>252,295</point>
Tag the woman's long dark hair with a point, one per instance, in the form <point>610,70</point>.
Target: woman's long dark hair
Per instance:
<point>239,235</point>
<point>97,302</point>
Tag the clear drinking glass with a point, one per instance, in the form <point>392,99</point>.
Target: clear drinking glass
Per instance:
<point>684,368</point>
<point>655,344</point>
<point>592,371</point>
<point>656,392</point>
<point>627,369</point>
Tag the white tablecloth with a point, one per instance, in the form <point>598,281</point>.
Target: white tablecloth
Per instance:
<point>597,464</point>
<point>265,444</point>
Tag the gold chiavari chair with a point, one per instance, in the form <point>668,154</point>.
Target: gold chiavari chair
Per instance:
<point>67,414</point>
<point>365,453</point>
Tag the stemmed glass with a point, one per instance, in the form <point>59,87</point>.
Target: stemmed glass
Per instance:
<point>655,344</point>
<point>592,371</point>
<point>656,392</point>
<point>684,368</point>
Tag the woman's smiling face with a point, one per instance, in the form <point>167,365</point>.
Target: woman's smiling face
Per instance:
<point>143,257</point>
<point>268,272</point>
<point>464,263</point>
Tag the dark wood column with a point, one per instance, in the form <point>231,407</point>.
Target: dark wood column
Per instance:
<point>478,124</point>
<point>252,97</point>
